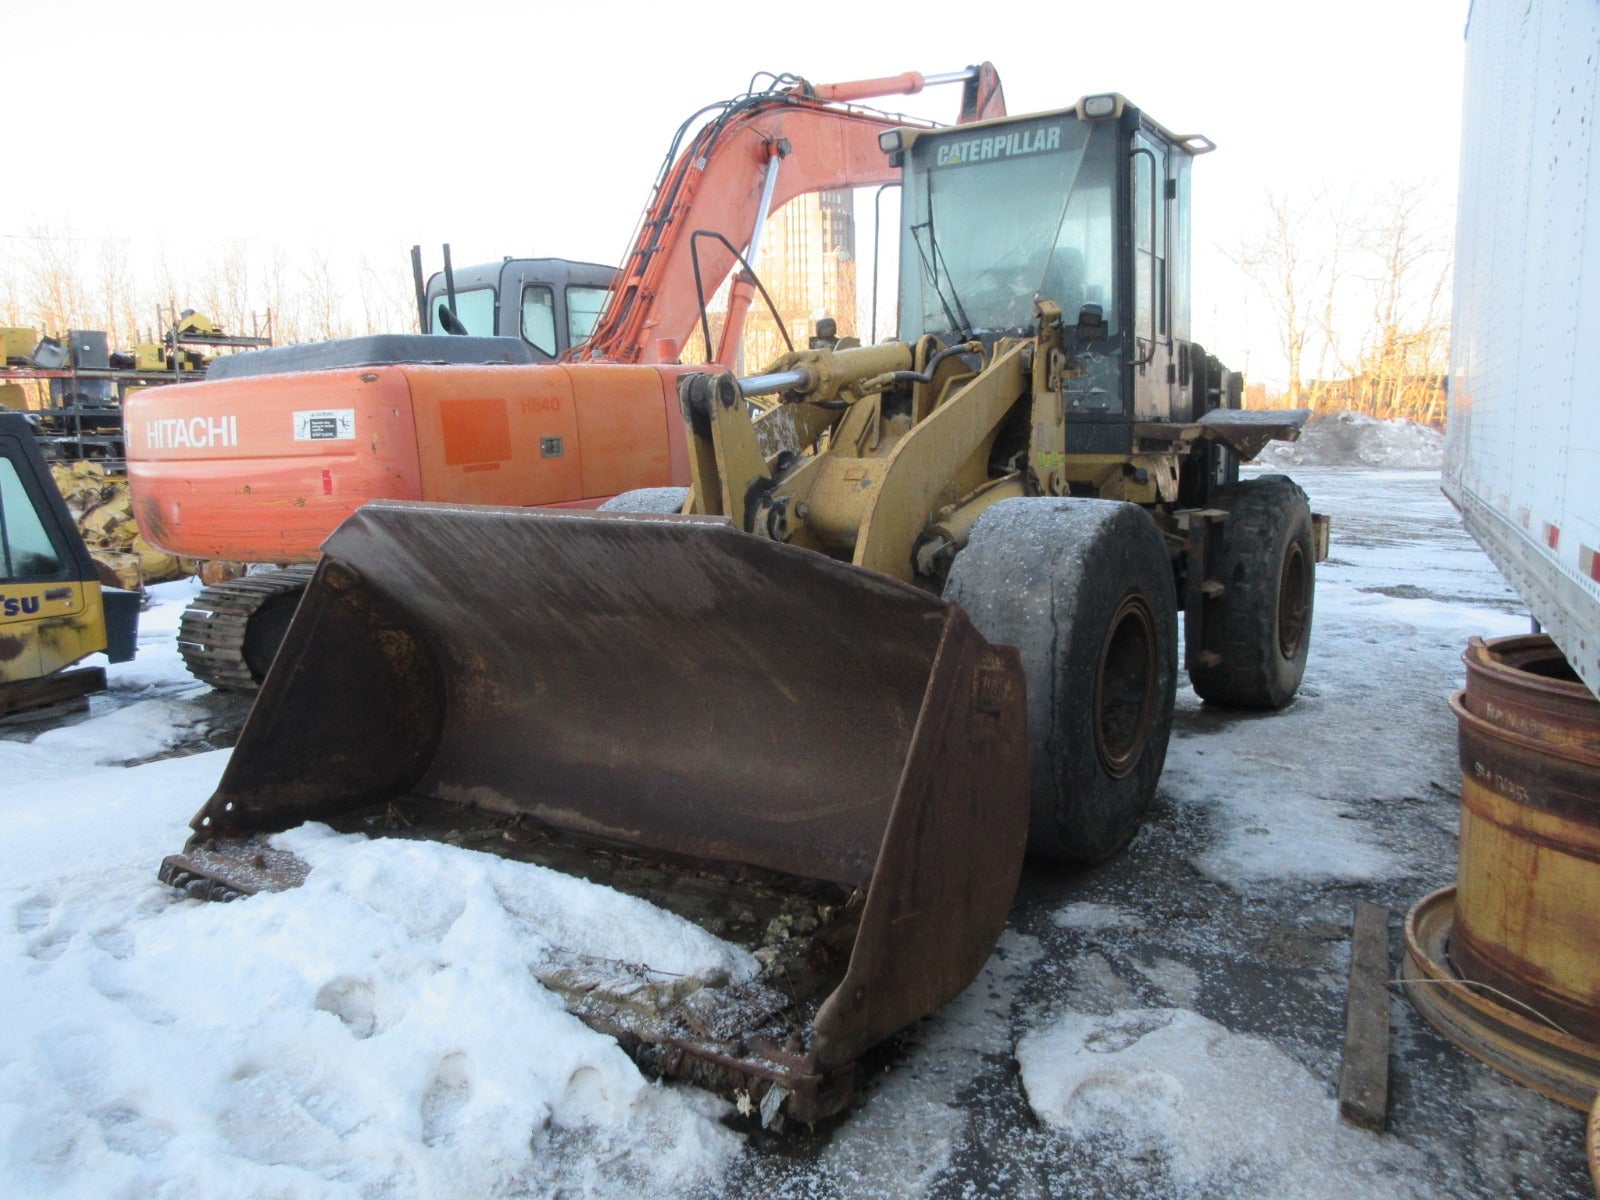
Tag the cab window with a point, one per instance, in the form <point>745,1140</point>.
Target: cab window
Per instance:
<point>474,309</point>
<point>25,549</point>
<point>539,318</point>
<point>584,306</point>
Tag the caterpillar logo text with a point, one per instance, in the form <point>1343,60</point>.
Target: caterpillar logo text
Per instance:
<point>1005,145</point>
<point>194,433</point>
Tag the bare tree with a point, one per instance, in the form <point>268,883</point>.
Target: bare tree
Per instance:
<point>52,291</point>
<point>223,293</point>
<point>1405,351</point>
<point>1362,289</point>
<point>387,302</point>
<point>118,294</point>
<point>1277,259</point>
<point>322,315</point>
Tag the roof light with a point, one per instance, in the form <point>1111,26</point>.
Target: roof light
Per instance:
<point>890,141</point>
<point>1104,105</point>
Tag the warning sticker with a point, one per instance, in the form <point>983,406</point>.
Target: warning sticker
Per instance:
<point>325,425</point>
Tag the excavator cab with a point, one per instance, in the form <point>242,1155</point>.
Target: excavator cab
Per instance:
<point>550,304</point>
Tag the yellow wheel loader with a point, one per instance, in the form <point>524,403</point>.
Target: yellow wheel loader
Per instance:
<point>916,614</point>
<point>53,610</point>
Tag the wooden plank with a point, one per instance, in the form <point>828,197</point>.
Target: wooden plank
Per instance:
<point>1364,1065</point>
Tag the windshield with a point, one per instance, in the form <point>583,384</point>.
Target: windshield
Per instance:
<point>994,218</point>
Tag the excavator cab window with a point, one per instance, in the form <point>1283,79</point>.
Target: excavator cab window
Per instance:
<point>997,216</point>
<point>584,306</point>
<point>474,309</point>
<point>539,318</point>
<point>26,552</point>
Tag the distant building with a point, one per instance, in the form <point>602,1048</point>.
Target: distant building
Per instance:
<point>808,264</point>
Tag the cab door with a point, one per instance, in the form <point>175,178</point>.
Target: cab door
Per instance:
<point>49,596</point>
<point>1154,365</point>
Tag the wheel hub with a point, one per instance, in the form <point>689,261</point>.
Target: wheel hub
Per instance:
<point>1293,590</point>
<point>1125,687</point>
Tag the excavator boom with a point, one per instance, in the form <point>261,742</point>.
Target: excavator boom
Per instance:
<point>714,193</point>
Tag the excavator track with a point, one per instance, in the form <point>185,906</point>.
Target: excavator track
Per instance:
<point>230,632</point>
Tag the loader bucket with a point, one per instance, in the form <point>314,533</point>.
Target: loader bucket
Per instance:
<point>736,729</point>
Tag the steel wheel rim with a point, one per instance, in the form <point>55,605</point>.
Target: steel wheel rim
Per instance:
<point>1294,591</point>
<point>1125,687</point>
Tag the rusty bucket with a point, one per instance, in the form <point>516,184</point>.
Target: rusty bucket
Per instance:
<point>1514,948</point>
<point>675,708</point>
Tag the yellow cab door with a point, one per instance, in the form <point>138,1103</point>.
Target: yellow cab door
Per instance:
<point>50,607</point>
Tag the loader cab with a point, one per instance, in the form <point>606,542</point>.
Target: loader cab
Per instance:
<point>551,304</point>
<point>1087,207</point>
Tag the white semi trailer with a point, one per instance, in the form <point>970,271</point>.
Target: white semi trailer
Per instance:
<point>1522,457</point>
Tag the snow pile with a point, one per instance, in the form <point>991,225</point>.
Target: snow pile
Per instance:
<point>1351,439</point>
<point>378,1031</point>
<point>1225,1114</point>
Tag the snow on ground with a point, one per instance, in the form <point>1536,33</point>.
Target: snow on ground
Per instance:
<point>375,1032</point>
<point>1228,1114</point>
<point>378,1032</point>
<point>1088,915</point>
<point>1351,439</point>
<point>1400,589</point>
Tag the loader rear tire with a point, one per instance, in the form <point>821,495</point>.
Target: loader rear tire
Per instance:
<point>1083,589</point>
<point>648,500</point>
<point>1267,567</point>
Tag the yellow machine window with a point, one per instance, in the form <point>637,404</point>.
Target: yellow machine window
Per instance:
<point>25,549</point>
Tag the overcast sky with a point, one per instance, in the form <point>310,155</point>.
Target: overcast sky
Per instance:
<point>537,129</point>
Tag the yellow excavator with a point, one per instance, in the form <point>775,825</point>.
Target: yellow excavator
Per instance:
<point>53,610</point>
<point>916,615</point>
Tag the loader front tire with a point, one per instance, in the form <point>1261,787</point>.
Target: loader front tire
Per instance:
<point>1267,570</point>
<point>648,500</point>
<point>1083,589</point>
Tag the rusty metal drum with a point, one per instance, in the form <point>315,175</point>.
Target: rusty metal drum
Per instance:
<point>1507,963</point>
<point>1528,884</point>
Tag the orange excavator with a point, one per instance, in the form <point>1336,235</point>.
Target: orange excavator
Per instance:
<point>259,464</point>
